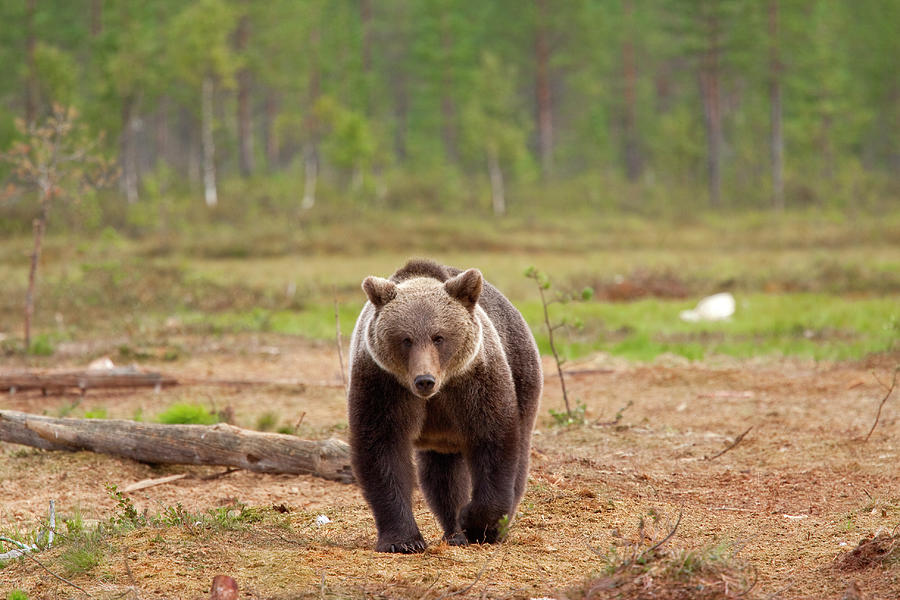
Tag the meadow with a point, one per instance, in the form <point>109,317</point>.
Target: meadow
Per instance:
<point>706,460</point>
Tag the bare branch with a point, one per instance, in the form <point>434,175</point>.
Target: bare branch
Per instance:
<point>883,400</point>
<point>736,441</point>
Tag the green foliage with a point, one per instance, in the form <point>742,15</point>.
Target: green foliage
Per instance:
<point>576,416</point>
<point>97,413</point>
<point>267,421</point>
<point>17,595</point>
<point>41,345</point>
<point>81,555</point>
<point>186,413</point>
<point>125,514</point>
<point>434,92</point>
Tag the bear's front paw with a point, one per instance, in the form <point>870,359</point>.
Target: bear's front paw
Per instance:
<point>480,525</point>
<point>456,539</point>
<point>409,546</point>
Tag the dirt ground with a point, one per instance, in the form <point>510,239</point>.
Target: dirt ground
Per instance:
<point>784,506</point>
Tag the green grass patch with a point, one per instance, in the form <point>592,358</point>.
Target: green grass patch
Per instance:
<point>187,414</point>
<point>819,326</point>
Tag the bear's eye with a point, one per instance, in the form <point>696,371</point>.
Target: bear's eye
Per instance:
<point>407,343</point>
<point>438,340</point>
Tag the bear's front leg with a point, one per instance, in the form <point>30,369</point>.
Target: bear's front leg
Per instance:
<point>492,464</point>
<point>385,473</point>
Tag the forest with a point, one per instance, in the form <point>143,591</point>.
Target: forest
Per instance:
<point>505,106</point>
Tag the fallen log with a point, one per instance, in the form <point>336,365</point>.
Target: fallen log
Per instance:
<point>220,444</point>
<point>84,380</point>
<point>127,377</point>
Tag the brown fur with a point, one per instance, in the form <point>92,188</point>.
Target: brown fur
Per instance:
<point>443,366</point>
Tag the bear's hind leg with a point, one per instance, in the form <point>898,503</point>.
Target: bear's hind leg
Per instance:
<point>444,480</point>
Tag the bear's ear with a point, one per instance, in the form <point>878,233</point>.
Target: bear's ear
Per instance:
<point>380,291</point>
<point>465,287</point>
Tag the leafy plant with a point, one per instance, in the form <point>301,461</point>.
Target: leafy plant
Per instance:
<point>543,285</point>
<point>58,159</point>
<point>125,515</point>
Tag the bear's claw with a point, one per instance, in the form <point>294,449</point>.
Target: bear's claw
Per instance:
<point>410,547</point>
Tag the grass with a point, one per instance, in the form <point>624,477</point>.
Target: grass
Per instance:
<point>809,284</point>
<point>188,414</point>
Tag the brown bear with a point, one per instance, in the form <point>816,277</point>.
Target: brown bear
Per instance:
<point>442,364</point>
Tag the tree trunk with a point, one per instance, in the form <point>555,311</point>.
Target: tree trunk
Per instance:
<point>209,149</point>
<point>182,444</point>
<point>498,194</point>
<point>244,121</point>
<point>31,70</point>
<point>776,140</point>
<point>271,140</point>
<point>401,113</point>
<point>633,162</point>
<point>161,131</point>
<point>365,15</point>
<point>448,105</point>
<point>40,226</point>
<point>542,90</point>
<point>96,17</point>
<point>712,110</point>
<point>311,175</point>
<point>129,150</point>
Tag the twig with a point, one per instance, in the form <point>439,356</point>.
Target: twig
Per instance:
<point>63,579</point>
<point>227,471</point>
<point>883,400</point>
<point>146,483</point>
<point>550,328</point>
<point>618,416</point>
<point>484,567</point>
<point>23,549</point>
<point>736,441</point>
<point>338,341</point>
<point>134,587</point>
<point>665,539</point>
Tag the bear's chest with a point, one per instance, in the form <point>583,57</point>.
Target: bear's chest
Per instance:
<point>441,430</point>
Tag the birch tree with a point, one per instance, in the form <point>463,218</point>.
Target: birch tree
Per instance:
<point>202,57</point>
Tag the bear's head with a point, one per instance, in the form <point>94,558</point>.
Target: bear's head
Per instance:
<point>424,331</point>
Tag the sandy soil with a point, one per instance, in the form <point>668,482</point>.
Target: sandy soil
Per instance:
<point>785,505</point>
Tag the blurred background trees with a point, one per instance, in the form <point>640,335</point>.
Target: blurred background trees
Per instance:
<point>507,105</point>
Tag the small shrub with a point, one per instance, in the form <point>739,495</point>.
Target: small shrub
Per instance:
<point>81,556</point>
<point>97,413</point>
<point>41,346</point>
<point>576,416</point>
<point>266,421</point>
<point>17,595</point>
<point>125,515</point>
<point>187,414</point>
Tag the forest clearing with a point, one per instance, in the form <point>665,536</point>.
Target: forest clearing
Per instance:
<point>692,203</point>
<point>752,454</point>
<point>774,516</point>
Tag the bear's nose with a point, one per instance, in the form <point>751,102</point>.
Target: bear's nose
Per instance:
<point>424,384</point>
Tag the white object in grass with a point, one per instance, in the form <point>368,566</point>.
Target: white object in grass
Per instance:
<point>717,307</point>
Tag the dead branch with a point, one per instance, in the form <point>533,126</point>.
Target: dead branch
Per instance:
<point>129,378</point>
<point>339,342</point>
<point>84,380</point>
<point>883,400</point>
<point>147,483</point>
<point>154,443</point>
<point>736,441</point>
<point>617,418</point>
